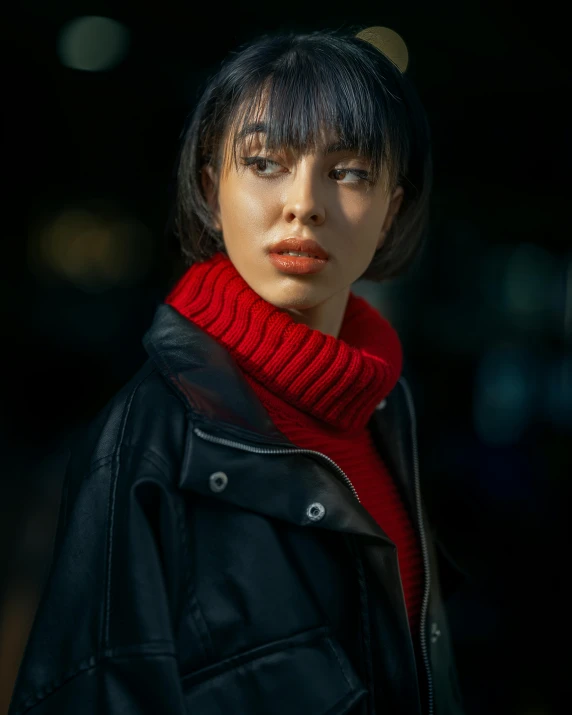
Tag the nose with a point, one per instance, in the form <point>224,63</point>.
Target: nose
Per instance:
<point>303,201</point>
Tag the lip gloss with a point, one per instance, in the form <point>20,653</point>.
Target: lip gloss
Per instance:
<point>297,265</point>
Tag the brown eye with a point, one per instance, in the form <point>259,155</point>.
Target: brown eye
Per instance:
<point>261,165</point>
<point>353,176</point>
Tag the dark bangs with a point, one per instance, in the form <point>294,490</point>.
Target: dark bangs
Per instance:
<point>301,90</point>
<point>307,87</point>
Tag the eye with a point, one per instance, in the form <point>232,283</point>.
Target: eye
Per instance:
<point>353,176</point>
<point>261,165</point>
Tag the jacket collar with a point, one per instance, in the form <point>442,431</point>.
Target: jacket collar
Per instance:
<point>223,404</point>
<point>203,371</point>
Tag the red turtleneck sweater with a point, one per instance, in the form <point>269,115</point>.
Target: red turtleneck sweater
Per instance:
<point>320,391</point>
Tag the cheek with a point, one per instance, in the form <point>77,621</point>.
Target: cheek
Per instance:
<point>244,206</point>
<point>363,214</point>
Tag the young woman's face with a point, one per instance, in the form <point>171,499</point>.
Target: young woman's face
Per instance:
<point>324,195</point>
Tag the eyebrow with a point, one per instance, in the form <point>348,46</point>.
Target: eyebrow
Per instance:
<point>262,128</point>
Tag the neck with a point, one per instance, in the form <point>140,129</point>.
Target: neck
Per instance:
<point>327,317</point>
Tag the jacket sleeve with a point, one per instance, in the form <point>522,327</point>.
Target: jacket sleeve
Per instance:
<point>102,641</point>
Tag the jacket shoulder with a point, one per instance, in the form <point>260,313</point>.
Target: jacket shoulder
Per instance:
<point>117,579</point>
<point>139,434</point>
<point>145,418</point>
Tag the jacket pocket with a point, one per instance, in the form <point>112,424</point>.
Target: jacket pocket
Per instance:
<point>306,674</point>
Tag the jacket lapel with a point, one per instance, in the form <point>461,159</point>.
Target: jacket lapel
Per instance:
<point>391,432</point>
<point>233,432</point>
<point>204,373</point>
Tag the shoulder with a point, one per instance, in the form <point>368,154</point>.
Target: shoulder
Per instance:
<point>125,461</point>
<point>145,422</point>
<point>120,551</point>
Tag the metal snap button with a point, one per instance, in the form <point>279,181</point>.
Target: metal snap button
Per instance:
<point>218,481</point>
<point>435,632</point>
<point>315,511</point>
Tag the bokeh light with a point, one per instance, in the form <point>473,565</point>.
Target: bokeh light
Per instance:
<point>93,249</point>
<point>503,396</point>
<point>389,42</point>
<point>558,392</point>
<point>533,285</point>
<point>568,303</point>
<point>92,43</point>
<point>525,286</point>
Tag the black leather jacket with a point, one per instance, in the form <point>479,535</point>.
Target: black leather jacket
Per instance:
<point>203,564</point>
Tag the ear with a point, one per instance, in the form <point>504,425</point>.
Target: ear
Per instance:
<point>209,181</point>
<point>392,210</point>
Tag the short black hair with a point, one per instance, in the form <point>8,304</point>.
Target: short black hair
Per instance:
<point>306,82</point>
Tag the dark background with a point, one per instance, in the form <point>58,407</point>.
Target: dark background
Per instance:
<point>485,314</point>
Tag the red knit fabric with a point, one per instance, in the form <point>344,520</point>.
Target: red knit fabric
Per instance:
<point>320,391</point>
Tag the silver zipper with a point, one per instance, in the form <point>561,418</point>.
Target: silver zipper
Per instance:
<point>425,602</point>
<point>267,450</point>
<point>264,450</point>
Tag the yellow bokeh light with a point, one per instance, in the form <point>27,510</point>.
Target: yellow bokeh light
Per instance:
<point>94,250</point>
<point>389,42</point>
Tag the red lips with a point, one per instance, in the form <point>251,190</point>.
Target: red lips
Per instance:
<point>302,245</point>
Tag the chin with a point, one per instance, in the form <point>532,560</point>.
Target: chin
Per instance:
<point>293,300</point>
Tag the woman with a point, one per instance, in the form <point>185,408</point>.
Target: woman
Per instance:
<point>241,528</point>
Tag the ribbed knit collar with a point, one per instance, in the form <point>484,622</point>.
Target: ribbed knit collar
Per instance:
<point>337,380</point>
